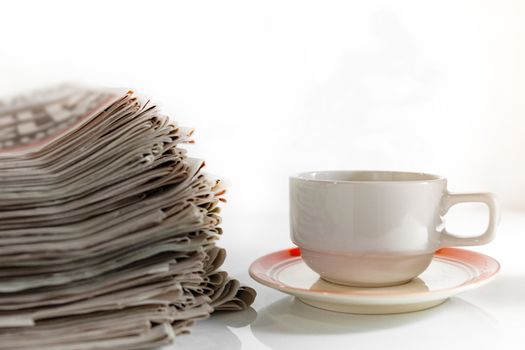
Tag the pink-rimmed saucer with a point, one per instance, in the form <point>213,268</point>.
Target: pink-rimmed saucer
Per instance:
<point>452,271</point>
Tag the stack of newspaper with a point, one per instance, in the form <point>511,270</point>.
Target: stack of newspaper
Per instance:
<point>107,228</point>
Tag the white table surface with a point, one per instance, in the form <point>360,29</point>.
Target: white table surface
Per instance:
<point>491,317</point>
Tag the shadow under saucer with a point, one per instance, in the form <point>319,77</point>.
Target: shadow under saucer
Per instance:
<point>288,323</point>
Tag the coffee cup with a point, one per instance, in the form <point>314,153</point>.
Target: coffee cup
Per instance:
<point>376,228</point>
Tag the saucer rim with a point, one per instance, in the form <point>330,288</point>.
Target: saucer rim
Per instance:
<point>360,295</point>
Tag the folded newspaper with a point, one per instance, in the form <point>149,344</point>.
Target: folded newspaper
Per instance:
<point>107,227</point>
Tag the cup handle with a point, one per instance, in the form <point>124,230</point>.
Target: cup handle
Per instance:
<point>448,239</point>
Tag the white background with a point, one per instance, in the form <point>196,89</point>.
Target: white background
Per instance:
<point>277,87</point>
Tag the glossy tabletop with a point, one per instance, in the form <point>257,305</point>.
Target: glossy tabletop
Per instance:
<point>491,317</point>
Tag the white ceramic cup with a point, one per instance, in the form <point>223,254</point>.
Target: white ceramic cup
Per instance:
<point>375,228</point>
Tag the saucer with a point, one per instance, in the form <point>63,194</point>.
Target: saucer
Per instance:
<point>452,271</point>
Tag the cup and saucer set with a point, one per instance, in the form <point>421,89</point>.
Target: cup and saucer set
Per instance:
<point>375,242</point>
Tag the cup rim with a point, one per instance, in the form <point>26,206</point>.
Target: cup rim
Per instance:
<point>307,176</point>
